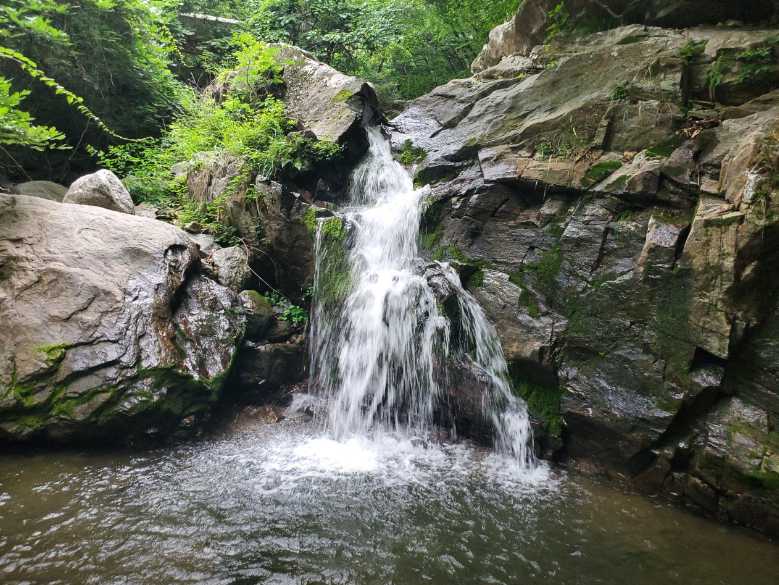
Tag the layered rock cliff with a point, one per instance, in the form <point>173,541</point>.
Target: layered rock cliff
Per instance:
<point>611,200</point>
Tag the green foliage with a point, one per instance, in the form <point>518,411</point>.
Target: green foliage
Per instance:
<point>559,20</point>
<point>562,145</point>
<point>755,64</point>
<point>406,47</point>
<point>692,50</point>
<point>715,75</point>
<point>113,57</point>
<point>291,313</point>
<point>619,93</point>
<point>247,123</point>
<point>73,100</point>
<point>16,125</point>
<point>410,154</point>
<point>295,315</point>
<point>254,69</point>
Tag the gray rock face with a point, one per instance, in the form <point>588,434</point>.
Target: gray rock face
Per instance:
<point>43,189</point>
<point>232,267</point>
<point>625,250</point>
<point>528,28</point>
<point>110,330</point>
<point>101,189</point>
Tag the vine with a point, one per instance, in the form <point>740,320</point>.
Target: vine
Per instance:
<point>31,68</point>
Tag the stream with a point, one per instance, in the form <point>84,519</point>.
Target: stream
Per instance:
<point>261,503</point>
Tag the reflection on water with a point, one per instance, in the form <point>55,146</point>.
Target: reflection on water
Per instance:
<point>279,504</point>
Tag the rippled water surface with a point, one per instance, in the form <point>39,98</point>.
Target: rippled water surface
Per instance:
<point>279,504</point>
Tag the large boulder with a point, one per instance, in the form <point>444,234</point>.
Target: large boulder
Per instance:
<point>326,102</point>
<point>101,189</point>
<point>109,328</point>
<point>43,189</point>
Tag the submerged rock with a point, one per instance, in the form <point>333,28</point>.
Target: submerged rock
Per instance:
<point>101,189</point>
<point>110,330</point>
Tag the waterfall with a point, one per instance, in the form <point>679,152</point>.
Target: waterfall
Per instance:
<point>380,341</point>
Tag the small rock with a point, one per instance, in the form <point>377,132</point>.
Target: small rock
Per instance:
<point>192,227</point>
<point>232,267</point>
<point>101,189</point>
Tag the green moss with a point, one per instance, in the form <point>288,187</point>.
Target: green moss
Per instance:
<point>410,154</point>
<point>429,240</point>
<point>343,96</point>
<point>476,280</point>
<point>450,252</point>
<point>671,323</point>
<point>543,402</point>
<point>543,273</point>
<point>600,171</point>
<point>619,93</point>
<point>665,148</point>
<point>335,280</point>
<point>333,228</point>
<point>309,218</point>
<point>527,300</point>
<point>54,353</point>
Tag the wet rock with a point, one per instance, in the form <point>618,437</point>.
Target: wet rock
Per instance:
<point>259,314</point>
<point>101,189</point>
<point>264,369</point>
<point>289,228</point>
<point>110,328</point>
<point>710,253</point>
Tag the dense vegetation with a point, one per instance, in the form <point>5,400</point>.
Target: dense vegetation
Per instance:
<point>77,76</point>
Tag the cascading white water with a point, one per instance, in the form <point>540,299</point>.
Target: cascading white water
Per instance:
<point>378,356</point>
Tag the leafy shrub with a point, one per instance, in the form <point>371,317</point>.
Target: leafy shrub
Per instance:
<point>247,122</point>
<point>16,125</point>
